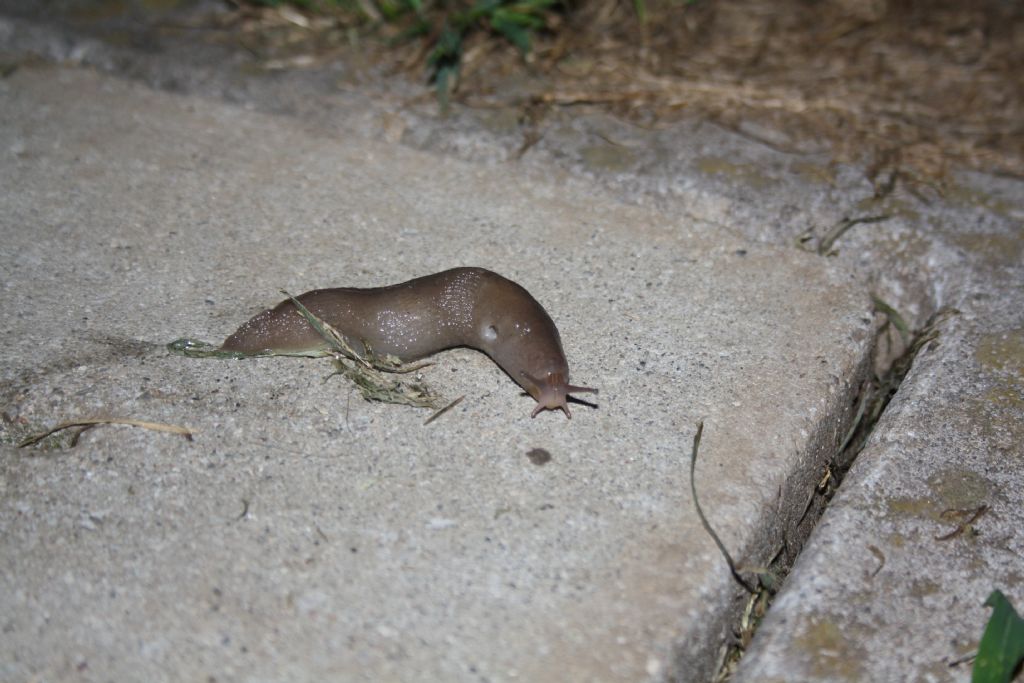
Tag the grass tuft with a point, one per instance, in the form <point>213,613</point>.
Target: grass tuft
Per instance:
<point>445,26</point>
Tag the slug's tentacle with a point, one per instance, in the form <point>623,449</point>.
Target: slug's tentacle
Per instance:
<point>470,307</point>
<point>552,393</point>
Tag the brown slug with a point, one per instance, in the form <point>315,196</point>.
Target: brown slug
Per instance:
<point>470,307</point>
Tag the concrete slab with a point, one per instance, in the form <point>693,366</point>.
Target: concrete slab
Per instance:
<point>927,524</point>
<point>892,583</point>
<point>305,534</point>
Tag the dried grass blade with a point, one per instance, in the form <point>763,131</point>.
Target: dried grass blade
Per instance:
<point>92,422</point>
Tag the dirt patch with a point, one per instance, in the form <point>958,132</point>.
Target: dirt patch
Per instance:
<point>907,88</point>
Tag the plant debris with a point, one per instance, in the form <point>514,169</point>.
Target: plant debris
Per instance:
<point>878,391</point>
<point>825,243</point>
<point>768,581</point>
<point>444,410</point>
<point>750,588</point>
<point>969,517</point>
<point>906,88</point>
<point>371,373</point>
<point>89,423</point>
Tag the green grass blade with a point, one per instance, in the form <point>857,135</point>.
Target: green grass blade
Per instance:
<point>1001,650</point>
<point>516,34</point>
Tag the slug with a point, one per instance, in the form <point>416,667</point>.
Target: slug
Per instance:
<point>470,307</point>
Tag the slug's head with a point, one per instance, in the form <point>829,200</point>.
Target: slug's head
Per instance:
<point>552,392</point>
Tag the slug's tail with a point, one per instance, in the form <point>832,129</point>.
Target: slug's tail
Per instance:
<point>552,392</point>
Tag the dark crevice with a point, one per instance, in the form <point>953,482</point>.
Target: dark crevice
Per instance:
<point>879,391</point>
<point>868,407</point>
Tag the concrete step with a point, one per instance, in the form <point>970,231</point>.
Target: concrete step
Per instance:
<point>304,534</point>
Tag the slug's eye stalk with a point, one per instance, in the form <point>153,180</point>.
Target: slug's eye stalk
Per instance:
<point>552,392</point>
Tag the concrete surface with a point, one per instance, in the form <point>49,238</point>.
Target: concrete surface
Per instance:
<point>874,596</point>
<point>891,585</point>
<point>885,590</point>
<point>307,535</point>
